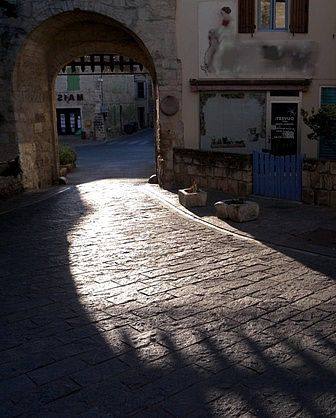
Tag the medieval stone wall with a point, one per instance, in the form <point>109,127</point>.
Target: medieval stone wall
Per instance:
<point>233,173</point>
<point>230,173</point>
<point>44,35</point>
<point>319,183</point>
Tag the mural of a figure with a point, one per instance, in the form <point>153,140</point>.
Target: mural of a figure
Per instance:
<point>221,41</point>
<point>226,54</point>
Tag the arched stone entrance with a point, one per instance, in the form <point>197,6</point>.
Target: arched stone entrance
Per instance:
<point>147,36</point>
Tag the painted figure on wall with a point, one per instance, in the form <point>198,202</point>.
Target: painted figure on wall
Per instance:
<point>227,55</point>
<point>221,42</point>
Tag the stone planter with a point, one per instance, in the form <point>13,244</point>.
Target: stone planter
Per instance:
<point>67,168</point>
<point>192,199</point>
<point>237,210</point>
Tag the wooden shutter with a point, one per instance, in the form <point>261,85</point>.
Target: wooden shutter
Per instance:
<point>73,82</point>
<point>246,16</point>
<point>328,149</point>
<point>299,15</point>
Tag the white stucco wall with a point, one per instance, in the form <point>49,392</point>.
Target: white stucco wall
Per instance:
<point>322,35</point>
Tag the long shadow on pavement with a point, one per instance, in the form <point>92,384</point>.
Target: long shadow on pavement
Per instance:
<point>284,226</point>
<point>75,342</point>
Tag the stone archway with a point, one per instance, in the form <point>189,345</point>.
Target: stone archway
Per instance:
<point>55,42</point>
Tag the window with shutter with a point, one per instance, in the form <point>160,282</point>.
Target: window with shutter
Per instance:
<point>328,149</point>
<point>73,80</point>
<point>273,15</point>
<point>299,15</point>
<point>246,16</point>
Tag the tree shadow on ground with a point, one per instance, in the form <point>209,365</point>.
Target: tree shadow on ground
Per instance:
<point>285,226</point>
<point>79,338</point>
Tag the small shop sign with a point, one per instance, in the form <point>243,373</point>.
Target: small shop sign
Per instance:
<point>65,97</point>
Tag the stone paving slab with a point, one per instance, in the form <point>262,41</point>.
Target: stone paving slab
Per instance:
<point>280,222</point>
<point>113,304</point>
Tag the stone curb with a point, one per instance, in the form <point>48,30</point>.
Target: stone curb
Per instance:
<point>232,231</point>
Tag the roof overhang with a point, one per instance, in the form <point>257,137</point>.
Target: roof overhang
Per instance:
<point>249,84</point>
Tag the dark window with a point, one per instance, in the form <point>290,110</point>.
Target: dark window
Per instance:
<point>141,90</point>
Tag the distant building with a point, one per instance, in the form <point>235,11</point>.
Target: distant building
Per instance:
<point>103,104</point>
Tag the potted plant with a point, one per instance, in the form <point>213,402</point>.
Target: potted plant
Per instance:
<point>67,159</point>
<point>192,196</point>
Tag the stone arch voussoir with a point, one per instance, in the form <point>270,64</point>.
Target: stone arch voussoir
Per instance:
<point>55,42</point>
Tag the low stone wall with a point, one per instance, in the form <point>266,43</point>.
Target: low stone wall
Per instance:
<point>10,186</point>
<point>233,173</point>
<point>319,183</point>
<point>211,170</point>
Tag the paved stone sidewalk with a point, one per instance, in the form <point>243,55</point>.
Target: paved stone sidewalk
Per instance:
<point>114,305</point>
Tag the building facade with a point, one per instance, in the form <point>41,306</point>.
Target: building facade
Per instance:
<point>99,105</point>
<point>229,77</point>
<point>249,66</point>
<point>39,38</point>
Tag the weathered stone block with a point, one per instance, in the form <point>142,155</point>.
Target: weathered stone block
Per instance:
<point>327,181</point>
<point>315,180</point>
<point>233,187</point>
<point>237,211</point>
<point>203,182</point>
<point>248,211</point>
<point>244,189</point>
<point>247,176</point>
<point>218,172</point>
<point>209,171</point>
<point>192,170</point>
<point>10,186</point>
<point>323,167</point>
<point>221,210</point>
<point>63,171</point>
<point>192,199</point>
<point>310,165</point>
<point>333,199</point>
<point>306,179</point>
<point>236,175</point>
<point>222,184</point>
<point>212,184</point>
<point>181,180</point>
<point>333,167</point>
<point>308,196</point>
<point>322,198</point>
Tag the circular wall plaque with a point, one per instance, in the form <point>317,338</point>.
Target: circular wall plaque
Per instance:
<point>169,105</point>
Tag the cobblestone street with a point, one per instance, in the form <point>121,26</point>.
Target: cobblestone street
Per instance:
<point>118,306</point>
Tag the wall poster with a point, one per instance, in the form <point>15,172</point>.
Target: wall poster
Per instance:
<point>284,121</point>
<point>284,127</point>
<point>233,121</point>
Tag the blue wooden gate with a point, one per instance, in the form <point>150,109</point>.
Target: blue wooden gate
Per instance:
<point>277,176</point>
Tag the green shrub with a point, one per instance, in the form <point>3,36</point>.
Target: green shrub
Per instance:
<point>322,122</point>
<point>67,155</point>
